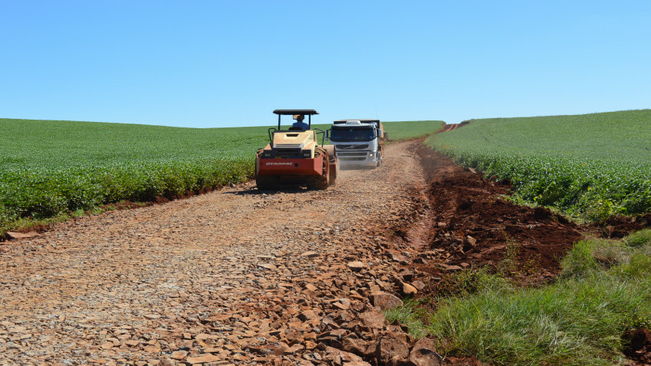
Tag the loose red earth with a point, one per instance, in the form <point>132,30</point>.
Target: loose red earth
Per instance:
<point>478,227</point>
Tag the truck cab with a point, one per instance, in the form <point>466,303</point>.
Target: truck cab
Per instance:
<point>358,142</point>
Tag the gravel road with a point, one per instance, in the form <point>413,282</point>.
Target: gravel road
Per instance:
<point>235,276</point>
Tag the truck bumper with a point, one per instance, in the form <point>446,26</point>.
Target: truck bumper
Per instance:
<point>359,159</point>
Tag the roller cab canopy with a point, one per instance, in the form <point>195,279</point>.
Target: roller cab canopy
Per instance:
<point>296,113</point>
<point>286,112</point>
<point>376,121</point>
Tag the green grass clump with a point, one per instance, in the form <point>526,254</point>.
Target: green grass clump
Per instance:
<point>603,291</point>
<point>410,314</point>
<point>469,282</point>
<point>589,166</point>
<point>573,323</point>
<point>640,238</point>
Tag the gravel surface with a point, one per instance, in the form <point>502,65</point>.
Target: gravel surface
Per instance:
<point>236,276</point>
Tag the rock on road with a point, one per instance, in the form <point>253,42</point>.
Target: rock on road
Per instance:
<point>235,276</point>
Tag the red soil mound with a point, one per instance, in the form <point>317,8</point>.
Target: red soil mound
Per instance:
<point>477,227</point>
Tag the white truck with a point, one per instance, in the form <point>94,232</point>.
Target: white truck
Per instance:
<point>359,142</point>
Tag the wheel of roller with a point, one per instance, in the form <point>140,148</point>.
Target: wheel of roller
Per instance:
<point>264,182</point>
<point>322,181</point>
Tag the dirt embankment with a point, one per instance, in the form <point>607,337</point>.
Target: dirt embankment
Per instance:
<point>239,276</point>
<point>476,226</point>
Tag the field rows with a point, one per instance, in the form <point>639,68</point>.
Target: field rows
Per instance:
<point>589,166</point>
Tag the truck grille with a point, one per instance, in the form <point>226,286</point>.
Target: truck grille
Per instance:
<point>357,147</point>
<point>352,156</point>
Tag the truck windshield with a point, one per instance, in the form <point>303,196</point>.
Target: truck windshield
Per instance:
<point>352,134</point>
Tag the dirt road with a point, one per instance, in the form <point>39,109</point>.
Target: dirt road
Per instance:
<point>233,276</point>
<point>296,277</point>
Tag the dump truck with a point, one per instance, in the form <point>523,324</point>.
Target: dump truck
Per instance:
<point>359,142</point>
<point>294,156</point>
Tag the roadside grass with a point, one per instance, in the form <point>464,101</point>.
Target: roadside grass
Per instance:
<point>639,238</point>
<point>588,166</point>
<point>410,315</point>
<point>603,291</point>
<point>51,170</point>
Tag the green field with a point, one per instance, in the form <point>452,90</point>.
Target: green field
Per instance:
<point>405,130</point>
<point>589,166</point>
<point>50,168</point>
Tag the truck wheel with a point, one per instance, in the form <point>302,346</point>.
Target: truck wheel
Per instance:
<point>379,159</point>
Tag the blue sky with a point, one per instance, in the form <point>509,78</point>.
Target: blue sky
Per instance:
<point>198,63</point>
